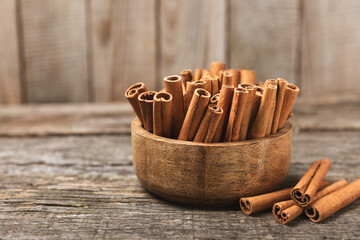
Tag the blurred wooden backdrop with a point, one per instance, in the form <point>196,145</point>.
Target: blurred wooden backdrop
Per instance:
<point>92,50</point>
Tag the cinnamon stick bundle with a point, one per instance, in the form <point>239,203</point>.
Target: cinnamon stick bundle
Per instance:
<point>214,99</point>
<point>186,76</point>
<point>247,76</point>
<point>174,86</point>
<point>208,124</point>
<point>162,114</point>
<point>259,126</point>
<point>247,112</point>
<point>279,102</point>
<point>132,94</point>
<point>215,67</point>
<point>333,202</point>
<point>286,211</point>
<point>224,102</point>
<point>237,110</point>
<point>197,108</point>
<point>305,190</point>
<point>146,100</point>
<point>192,86</point>
<point>291,92</point>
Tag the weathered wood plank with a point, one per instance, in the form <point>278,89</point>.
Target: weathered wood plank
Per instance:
<point>10,86</point>
<point>264,37</point>
<point>193,34</point>
<point>55,50</point>
<point>84,187</point>
<point>330,50</point>
<point>123,46</point>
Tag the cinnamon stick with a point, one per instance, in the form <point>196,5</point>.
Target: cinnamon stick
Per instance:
<point>132,94</point>
<point>291,91</point>
<point>162,114</point>
<point>215,67</point>
<point>192,86</point>
<point>237,110</point>
<point>305,190</point>
<point>194,115</point>
<point>236,77</point>
<point>186,76</point>
<point>205,73</point>
<point>227,79</point>
<point>208,124</point>
<point>279,102</point>
<point>330,204</point>
<point>214,84</point>
<point>221,76</point>
<point>198,73</point>
<point>247,76</point>
<point>174,86</point>
<point>224,102</point>
<point>255,109</point>
<point>214,99</point>
<point>272,108</point>
<point>146,100</point>
<point>259,126</point>
<point>247,112</point>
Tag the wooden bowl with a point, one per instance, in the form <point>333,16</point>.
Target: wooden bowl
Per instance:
<point>210,174</point>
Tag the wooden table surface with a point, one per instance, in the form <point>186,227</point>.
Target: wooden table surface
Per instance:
<point>66,172</point>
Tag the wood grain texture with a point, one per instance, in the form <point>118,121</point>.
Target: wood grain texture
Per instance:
<point>10,86</point>
<point>193,34</point>
<point>123,35</point>
<point>55,50</point>
<point>330,49</point>
<point>85,187</point>
<point>264,37</point>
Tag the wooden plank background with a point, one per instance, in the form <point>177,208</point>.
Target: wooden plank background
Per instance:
<point>91,51</point>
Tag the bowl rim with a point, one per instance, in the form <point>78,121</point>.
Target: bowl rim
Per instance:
<point>138,129</point>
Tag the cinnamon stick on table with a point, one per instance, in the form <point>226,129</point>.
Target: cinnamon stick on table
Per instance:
<point>305,190</point>
<point>259,126</point>
<point>208,124</point>
<point>132,94</point>
<point>279,102</point>
<point>162,114</point>
<point>237,110</point>
<point>247,76</point>
<point>146,100</point>
<point>174,86</point>
<point>287,211</point>
<point>224,102</point>
<point>330,204</point>
<point>291,91</point>
<point>197,108</point>
<point>247,112</point>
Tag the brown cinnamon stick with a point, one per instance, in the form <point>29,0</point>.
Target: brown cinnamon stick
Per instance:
<point>305,190</point>
<point>272,108</point>
<point>205,73</point>
<point>197,108</point>
<point>208,124</point>
<point>237,110</point>
<point>227,79</point>
<point>198,73</point>
<point>291,91</point>
<point>259,126</point>
<point>214,99</point>
<point>236,77</point>
<point>215,67</point>
<point>221,76</point>
<point>247,112</point>
<point>186,76</point>
<point>132,94</point>
<point>192,86</point>
<point>214,84</point>
<point>279,102</point>
<point>255,109</point>
<point>224,102</point>
<point>174,86</point>
<point>247,76</point>
<point>333,202</point>
<point>162,114</point>
<point>146,100</point>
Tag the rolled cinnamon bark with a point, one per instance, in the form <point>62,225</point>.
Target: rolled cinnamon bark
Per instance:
<point>214,99</point>
<point>333,202</point>
<point>247,112</point>
<point>198,73</point>
<point>175,88</point>
<point>247,76</point>
<point>162,114</point>
<point>221,76</point>
<point>237,110</point>
<point>305,190</point>
<point>259,126</point>
<point>215,67</point>
<point>192,86</point>
<point>224,102</point>
<point>227,79</point>
<point>186,76</point>
<point>207,83</point>
<point>197,108</point>
<point>214,82</point>
<point>146,100</point>
<point>208,124</point>
<point>205,73</point>
<point>255,109</point>
<point>291,91</point>
<point>132,94</point>
<point>272,108</point>
<point>236,76</point>
<point>279,102</point>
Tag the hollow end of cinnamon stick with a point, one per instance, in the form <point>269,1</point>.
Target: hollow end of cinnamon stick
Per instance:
<point>162,114</point>
<point>146,100</point>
